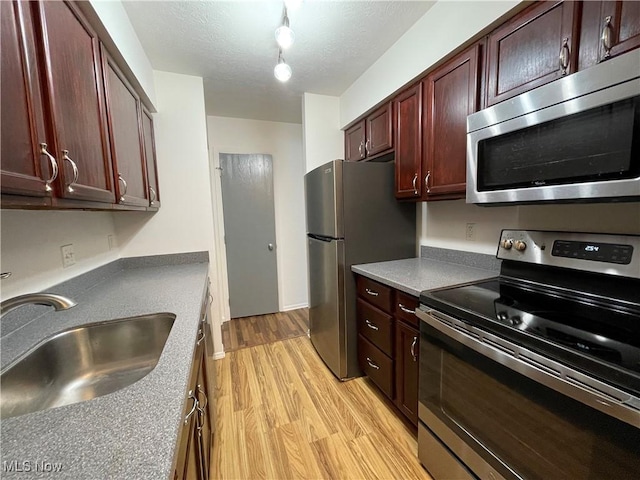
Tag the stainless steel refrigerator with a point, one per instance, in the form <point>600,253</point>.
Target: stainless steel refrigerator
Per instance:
<point>352,217</point>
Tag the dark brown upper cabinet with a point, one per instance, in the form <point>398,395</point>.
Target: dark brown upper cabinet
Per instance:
<point>74,93</point>
<point>535,47</point>
<point>27,167</point>
<point>608,29</point>
<point>148,135</point>
<point>451,93</point>
<point>408,132</point>
<point>379,131</point>
<point>125,135</point>
<point>371,136</point>
<point>354,140</point>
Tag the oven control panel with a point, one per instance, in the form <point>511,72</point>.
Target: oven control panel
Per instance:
<point>594,252</point>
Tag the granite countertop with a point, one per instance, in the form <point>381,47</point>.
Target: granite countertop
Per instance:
<point>131,433</point>
<point>413,275</point>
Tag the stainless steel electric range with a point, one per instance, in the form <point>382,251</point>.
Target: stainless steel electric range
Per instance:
<point>535,374</point>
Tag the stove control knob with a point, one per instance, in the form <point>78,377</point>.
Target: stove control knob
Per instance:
<point>507,243</point>
<point>520,245</point>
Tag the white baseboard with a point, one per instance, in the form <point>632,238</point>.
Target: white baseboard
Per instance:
<point>218,355</point>
<point>294,307</point>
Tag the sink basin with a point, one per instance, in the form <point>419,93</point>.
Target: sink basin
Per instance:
<point>84,362</point>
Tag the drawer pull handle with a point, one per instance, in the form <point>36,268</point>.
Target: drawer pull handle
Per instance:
<point>371,364</point>
<point>405,309</point>
<point>413,349</point>
<point>193,409</point>
<point>415,189</point>
<point>371,292</point>
<point>200,339</point>
<point>371,325</point>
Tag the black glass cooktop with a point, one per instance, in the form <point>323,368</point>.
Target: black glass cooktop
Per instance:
<point>596,335</point>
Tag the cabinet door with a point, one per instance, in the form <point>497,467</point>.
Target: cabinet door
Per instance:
<point>607,29</point>
<point>379,131</point>
<point>408,157</point>
<point>407,356</point>
<point>25,171</point>
<point>354,139</point>
<point>533,48</point>
<point>204,418</point>
<point>150,156</point>
<point>452,93</point>
<point>124,119</point>
<point>76,103</point>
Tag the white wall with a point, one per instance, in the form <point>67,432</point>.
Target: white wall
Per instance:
<point>443,224</point>
<point>184,222</point>
<point>322,138</point>
<point>283,141</point>
<point>31,241</point>
<point>444,27</point>
<point>116,21</point>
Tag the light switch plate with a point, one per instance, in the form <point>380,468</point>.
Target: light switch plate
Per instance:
<point>68,255</point>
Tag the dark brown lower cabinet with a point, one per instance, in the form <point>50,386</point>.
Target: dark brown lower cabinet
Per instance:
<point>388,343</point>
<point>193,455</point>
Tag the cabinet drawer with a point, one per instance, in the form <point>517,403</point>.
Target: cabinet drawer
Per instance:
<point>405,305</point>
<point>375,293</point>
<point>376,365</point>
<point>376,326</point>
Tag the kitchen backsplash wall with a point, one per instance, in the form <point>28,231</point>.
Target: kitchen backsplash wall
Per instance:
<point>445,224</point>
<point>31,242</point>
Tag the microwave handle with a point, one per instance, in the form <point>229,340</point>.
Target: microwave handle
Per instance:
<point>559,377</point>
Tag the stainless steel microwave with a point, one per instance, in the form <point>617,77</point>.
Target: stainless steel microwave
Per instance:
<point>574,140</point>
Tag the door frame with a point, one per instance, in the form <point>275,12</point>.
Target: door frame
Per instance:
<point>221,287</point>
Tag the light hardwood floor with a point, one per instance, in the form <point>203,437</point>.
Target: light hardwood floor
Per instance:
<point>280,413</point>
<point>257,330</point>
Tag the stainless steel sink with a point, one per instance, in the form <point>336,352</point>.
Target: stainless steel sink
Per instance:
<point>83,363</point>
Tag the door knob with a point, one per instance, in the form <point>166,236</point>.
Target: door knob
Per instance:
<point>270,247</point>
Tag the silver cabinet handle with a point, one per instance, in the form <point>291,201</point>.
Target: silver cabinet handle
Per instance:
<point>366,146</point>
<point>371,364</point>
<point>415,179</point>
<point>564,56</point>
<point>607,37</point>
<point>69,186</point>
<point>4,275</point>
<point>153,195</point>
<point>413,349</point>
<point>124,183</point>
<point>371,292</point>
<point>54,167</point>
<point>270,247</point>
<point>372,326</point>
<point>405,309</point>
<point>206,400</point>
<point>200,339</point>
<point>426,181</point>
<point>193,409</point>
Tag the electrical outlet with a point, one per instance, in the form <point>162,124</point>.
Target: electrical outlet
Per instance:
<point>68,255</point>
<point>471,232</point>
<point>112,242</point>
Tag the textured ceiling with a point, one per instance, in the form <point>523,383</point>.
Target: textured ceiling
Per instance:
<point>231,44</point>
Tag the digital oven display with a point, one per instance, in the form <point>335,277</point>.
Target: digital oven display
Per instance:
<point>597,252</point>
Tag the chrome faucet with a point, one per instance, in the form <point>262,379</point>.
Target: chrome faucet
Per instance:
<point>50,299</point>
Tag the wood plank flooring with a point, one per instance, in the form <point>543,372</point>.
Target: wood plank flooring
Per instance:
<point>281,414</point>
<point>257,330</point>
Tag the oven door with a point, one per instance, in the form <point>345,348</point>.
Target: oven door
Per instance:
<point>491,409</point>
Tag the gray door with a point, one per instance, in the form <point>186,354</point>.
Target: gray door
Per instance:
<point>250,233</point>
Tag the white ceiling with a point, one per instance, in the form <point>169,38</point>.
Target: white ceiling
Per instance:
<point>231,45</point>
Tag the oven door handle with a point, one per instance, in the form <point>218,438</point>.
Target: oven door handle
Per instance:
<point>548,372</point>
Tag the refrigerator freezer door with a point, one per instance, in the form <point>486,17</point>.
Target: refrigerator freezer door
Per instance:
<point>326,302</point>
<point>323,187</point>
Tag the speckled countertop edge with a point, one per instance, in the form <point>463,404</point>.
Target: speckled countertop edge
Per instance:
<point>131,433</point>
<point>414,275</point>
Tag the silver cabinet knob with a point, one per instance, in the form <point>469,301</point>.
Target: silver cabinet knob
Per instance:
<point>270,247</point>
